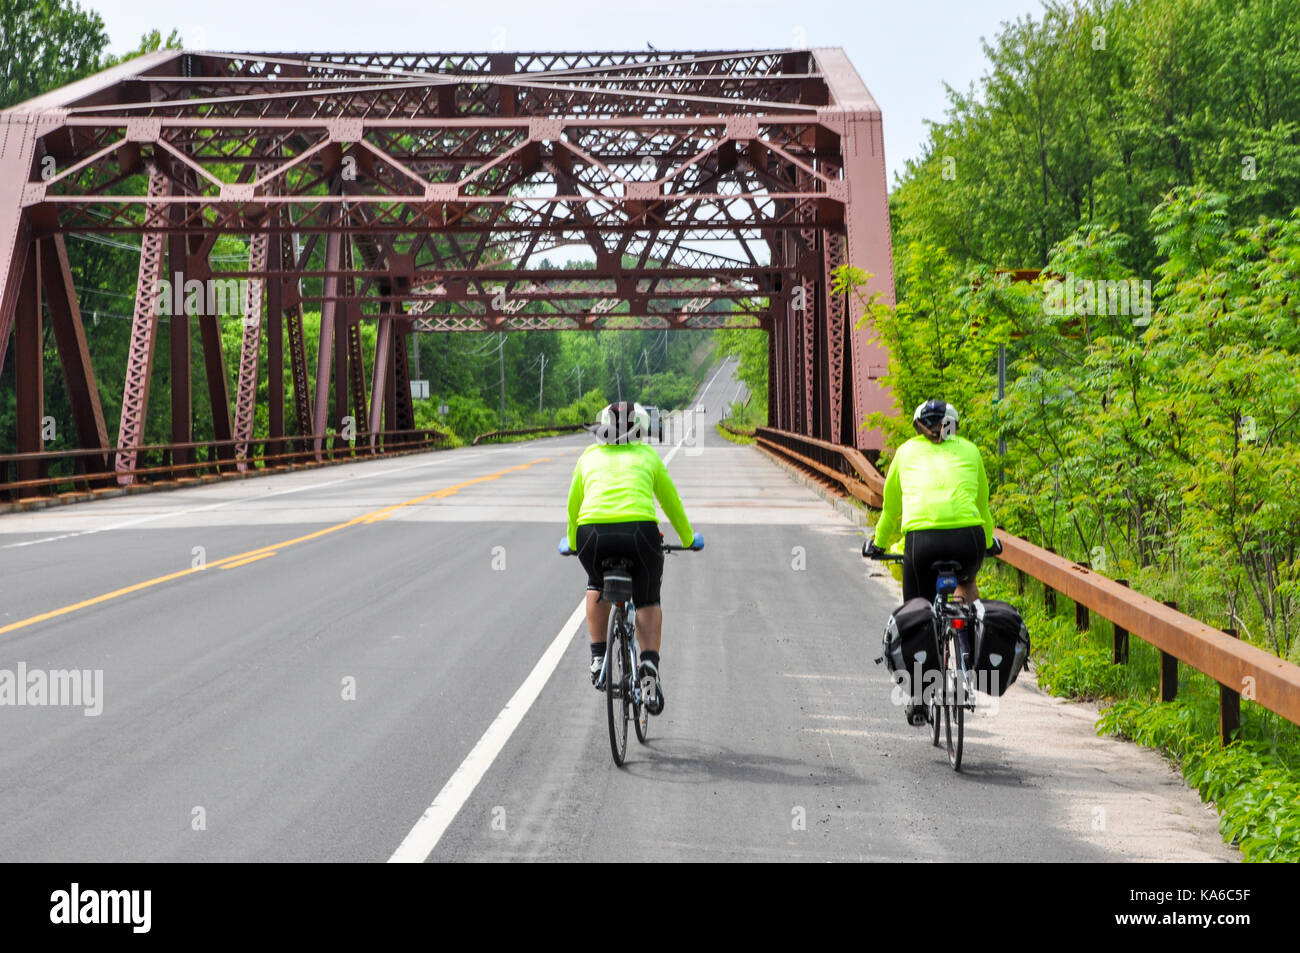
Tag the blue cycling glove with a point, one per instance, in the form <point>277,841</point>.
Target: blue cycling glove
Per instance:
<point>698,542</point>
<point>563,549</point>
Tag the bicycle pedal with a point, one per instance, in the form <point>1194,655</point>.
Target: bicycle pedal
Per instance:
<point>649,697</point>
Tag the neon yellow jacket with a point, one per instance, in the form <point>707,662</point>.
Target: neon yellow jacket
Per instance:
<point>935,486</point>
<point>618,483</point>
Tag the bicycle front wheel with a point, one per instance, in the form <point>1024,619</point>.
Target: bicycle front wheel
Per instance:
<point>618,683</point>
<point>640,713</point>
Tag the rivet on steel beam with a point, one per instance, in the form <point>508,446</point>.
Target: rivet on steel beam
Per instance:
<point>345,130</point>
<point>143,129</point>
<point>743,128</point>
<point>545,130</point>
<point>441,192</point>
<point>236,191</point>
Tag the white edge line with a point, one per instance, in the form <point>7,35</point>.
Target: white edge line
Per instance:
<point>428,830</point>
<point>668,457</point>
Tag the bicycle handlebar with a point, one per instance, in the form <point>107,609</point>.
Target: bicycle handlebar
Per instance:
<point>563,549</point>
<point>882,557</point>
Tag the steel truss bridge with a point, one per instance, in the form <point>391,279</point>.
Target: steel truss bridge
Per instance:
<point>419,191</point>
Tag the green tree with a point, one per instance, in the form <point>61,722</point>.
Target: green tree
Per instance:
<point>44,44</point>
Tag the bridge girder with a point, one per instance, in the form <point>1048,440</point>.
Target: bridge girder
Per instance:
<point>419,190</point>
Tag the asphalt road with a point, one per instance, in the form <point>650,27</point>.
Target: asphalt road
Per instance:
<point>383,658</point>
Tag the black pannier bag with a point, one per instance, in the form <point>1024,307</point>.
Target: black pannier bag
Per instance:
<point>909,644</point>
<point>1001,645</point>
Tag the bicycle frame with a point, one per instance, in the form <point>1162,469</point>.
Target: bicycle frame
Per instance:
<point>625,619</point>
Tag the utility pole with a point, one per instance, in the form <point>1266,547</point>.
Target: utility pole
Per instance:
<point>501,358</point>
<point>541,382</point>
<point>1002,393</point>
<point>618,378</point>
<point>579,382</point>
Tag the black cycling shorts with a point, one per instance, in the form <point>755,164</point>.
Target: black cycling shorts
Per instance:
<point>639,543</point>
<point>923,548</point>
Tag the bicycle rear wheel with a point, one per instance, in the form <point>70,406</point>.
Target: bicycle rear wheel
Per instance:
<point>933,698</point>
<point>954,699</point>
<point>934,710</point>
<point>618,683</point>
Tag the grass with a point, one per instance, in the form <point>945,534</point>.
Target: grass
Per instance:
<point>733,437</point>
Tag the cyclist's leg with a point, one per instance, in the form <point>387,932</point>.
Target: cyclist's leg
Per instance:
<point>911,584</point>
<point>589,554</point>
<point>649,627</point>
<point>597,616</point>
<point>969,551</point>
<point>649,615</point>
<point>648,573</point>
<point>922,549</point>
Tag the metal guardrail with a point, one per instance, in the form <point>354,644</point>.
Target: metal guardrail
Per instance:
<point>1241,669</point>
<point>560,428</point>
<point>845,465</point>
<point>96,468</point>
<point>737,431</point>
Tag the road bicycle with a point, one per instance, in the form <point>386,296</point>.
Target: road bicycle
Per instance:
<point>626,699</point>
<point>953,622</point>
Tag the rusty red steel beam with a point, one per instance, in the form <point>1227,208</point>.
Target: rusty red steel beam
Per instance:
<point>402,443</point>
<point>140,353</point>
<point>49,455</point>
<point>751,146</point>
<point>74,352</point>
<point>250,352</point>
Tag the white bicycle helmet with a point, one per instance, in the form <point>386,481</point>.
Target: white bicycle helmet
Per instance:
<point>622,422</point>
<point>936,420</point>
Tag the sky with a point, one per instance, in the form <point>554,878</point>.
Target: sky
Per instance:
<point>904,50</point>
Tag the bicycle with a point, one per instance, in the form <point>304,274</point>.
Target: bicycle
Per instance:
<point>950,620</point>
<point>623,693</point>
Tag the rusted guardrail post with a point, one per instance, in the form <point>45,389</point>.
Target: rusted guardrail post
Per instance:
<point>1229,708</point>
<point>1119,647</point>
<point>1049,594</point>
<point>1081,621</point>
<point>1168,671</point>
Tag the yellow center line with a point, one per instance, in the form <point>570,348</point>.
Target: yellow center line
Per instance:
<point>230,562</point>
<point>250,559</point>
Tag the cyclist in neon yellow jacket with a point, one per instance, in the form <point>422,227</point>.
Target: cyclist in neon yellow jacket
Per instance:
<point>612,513</point>
<point>937,494</point>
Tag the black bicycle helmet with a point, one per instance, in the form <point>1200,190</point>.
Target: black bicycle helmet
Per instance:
<point>936,420</point>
